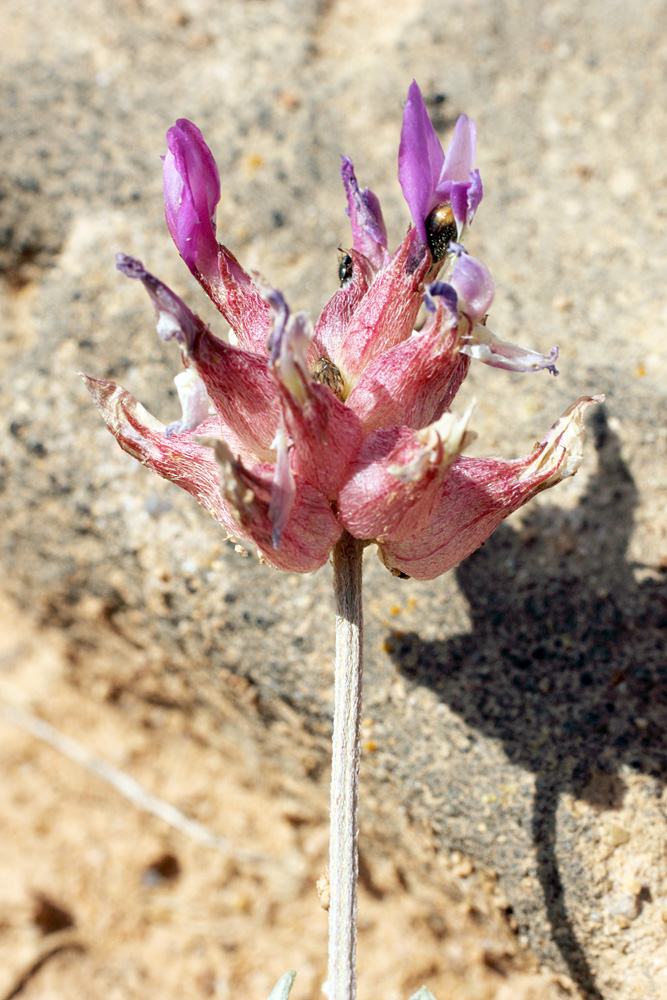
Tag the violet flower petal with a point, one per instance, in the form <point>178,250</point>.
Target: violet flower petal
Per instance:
<point>460,183</point>
<point>440,293</point>
<point>428,176</point>
<point>368,229</point>
<point>460,155</point>
<point>174,318</point>
<point>485,346</point>
<point>420,160</point>
<point>473,284</point>
<point>475,194</point>
<point>191,193</point>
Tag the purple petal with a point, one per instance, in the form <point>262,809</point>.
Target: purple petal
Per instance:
<point>287,344</point>
<point>475,193</point>
<point>485,346</point>
<point>440,289</point>
<point>191,194</point>
<point>368,229</point>
<point>460,156</point>
<point>459,183</point>
<point>458,198</point>
<point>420,160</point>
<point>431,178</point>
<point>174,317</point>
<point>473,284</point>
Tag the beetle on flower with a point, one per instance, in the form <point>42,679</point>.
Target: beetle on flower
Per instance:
<point>294,434</point>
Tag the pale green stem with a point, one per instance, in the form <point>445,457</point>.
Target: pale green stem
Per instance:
<point>343,859</point>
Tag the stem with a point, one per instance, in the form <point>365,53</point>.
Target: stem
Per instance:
<point>343,859</point>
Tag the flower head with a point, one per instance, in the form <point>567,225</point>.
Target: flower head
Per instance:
<point>294,434</point>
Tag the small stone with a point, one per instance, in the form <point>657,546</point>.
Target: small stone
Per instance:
<point>166,868</point>
<point>464,868</point>
<point>624,908</point>
<point>50,917</point>
<point>617,835</point>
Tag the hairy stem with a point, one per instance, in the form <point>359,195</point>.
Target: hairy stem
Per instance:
<point>343,861</point>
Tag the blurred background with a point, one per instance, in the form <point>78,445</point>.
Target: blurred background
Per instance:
<point>514,818</point>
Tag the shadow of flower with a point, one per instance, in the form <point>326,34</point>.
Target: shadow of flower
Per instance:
<point>564,665</point>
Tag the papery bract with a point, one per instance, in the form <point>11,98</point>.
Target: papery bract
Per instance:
<point>480,492</point>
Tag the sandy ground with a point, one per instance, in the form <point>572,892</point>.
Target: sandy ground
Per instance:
<point>102,899</point>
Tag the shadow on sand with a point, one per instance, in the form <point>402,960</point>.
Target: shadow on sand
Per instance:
<point>566,652</point>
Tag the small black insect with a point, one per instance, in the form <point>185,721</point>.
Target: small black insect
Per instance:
<point>345,269</point>
<point>441,230</point>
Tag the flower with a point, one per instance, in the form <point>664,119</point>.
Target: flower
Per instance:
<point>292,435</point>
<point>191,194</point>
<point>443,190</point>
